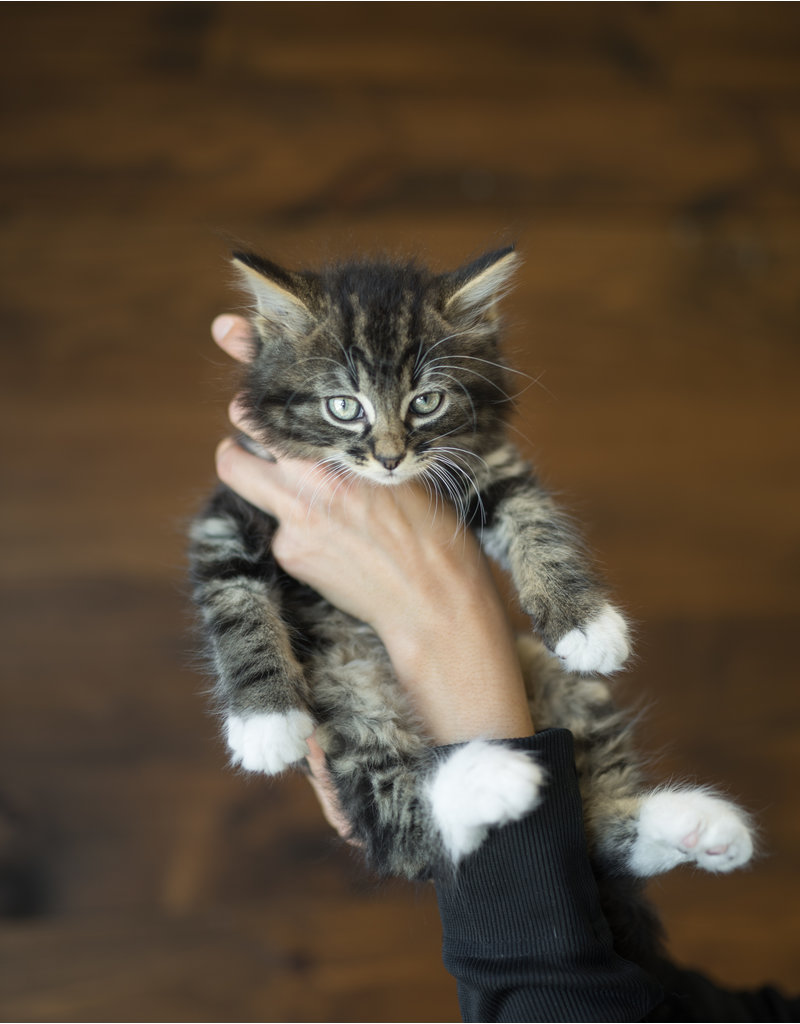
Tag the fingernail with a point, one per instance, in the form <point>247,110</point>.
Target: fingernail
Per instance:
<point>221,326</point>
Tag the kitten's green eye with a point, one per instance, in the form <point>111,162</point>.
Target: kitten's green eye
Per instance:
<point>424,405</point>
<point>344,408</point>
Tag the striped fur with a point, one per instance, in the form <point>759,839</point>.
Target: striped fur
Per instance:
<point>391,372</point>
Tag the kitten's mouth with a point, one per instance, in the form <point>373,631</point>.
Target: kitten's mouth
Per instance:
<point>390,477</point>
<point>400,472</point>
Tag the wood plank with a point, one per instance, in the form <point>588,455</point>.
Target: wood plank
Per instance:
<point>646,159</point>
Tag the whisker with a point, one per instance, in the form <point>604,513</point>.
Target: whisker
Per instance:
<point>504,367</point>
<point>459,480</point>
<point>341,477</point>
<point>303,481</point>
<point>489,362</point>
<point>435,499</point>
<point>448,490</point>
<point>518,432</point>
<point>447,433</point>
<point>344,478</point>
<point>450,466</point>
<point>331,467</point>
<point>448,337</point>
<point>463,451</point>
<point>489,381</point>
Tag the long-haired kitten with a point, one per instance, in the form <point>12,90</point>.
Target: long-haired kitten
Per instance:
<point>392,372</point>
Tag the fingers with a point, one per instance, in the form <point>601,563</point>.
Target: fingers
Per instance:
<point>323,787</point>
<point>254,478</point>
<point>284,488</point>
<point>234,336</point>
<point>237,414</point>
<point>274,487</point>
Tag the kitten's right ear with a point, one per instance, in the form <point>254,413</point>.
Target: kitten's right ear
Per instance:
<point>282,298</point>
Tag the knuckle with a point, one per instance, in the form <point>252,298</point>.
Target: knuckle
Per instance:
<point>288,549</point>
<point>225,460</point>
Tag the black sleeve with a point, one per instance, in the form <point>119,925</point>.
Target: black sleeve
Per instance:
<point>523,932</point>
<point>689,996</point>
<point>526,939</point>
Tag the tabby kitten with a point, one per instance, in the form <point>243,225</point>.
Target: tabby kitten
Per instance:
<point>390,372</point>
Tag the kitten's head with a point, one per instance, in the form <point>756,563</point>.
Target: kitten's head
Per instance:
<point>385,370</point>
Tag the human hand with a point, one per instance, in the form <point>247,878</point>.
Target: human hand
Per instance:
<point>321,783</point>
<point>395,559</point>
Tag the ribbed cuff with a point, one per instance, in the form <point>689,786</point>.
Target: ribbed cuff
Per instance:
<point>524,933</point>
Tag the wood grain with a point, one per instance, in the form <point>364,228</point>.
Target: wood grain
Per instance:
<point>646,158</point>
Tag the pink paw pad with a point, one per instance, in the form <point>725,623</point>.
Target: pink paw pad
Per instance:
<point>690,826</point>
<point>690,841</point>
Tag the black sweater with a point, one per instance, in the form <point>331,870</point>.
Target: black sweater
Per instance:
<point>526,940</point>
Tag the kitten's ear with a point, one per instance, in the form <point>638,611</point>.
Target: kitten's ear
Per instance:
<point>475,290</point>
<point>282,298</point>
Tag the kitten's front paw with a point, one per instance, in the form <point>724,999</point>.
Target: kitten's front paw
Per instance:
<point>600,646</point>
<point>269,742</point>
<point>479,786</point>
<point>690,826</point>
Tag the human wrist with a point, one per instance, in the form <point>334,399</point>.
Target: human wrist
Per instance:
<point>457,661</point>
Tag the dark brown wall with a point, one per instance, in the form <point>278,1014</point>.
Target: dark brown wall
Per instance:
<point>646,158</point>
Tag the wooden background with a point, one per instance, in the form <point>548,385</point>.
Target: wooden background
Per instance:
<point>646,158</point>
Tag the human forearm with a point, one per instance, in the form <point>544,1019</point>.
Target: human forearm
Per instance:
<point>523,930</point>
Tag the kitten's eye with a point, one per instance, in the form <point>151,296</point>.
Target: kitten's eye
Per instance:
<point>424,405</point>
<point>344,408</point>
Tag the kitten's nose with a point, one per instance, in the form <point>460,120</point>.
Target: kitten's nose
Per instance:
<point>389,462</point>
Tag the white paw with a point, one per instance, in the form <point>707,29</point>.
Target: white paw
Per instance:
<point>481,785</point>
<point>599,646</point>
<point>690,826</point>
<point>269,742</point>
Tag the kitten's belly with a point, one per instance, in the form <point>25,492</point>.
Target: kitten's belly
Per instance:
<point>354,692</point>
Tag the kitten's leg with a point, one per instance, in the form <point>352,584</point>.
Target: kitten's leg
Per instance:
<point>410,814</point>
<point>610,782</point>
<point>260,684</point>
<point>410,808</point>
<point>630,830</point>
<point>606,763</point>
<point>535,541</point>
<point>599,645</point>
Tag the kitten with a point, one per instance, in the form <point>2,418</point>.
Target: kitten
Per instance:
<point>390,372</point>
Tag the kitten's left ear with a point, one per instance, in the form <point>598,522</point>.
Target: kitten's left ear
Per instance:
<point>476,289</point>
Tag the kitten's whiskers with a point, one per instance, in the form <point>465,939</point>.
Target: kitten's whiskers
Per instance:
<point>467,369</point>
<point>334,471</point>
<point>447,337</point>
<point>508,369</point>
<point>446,488</point>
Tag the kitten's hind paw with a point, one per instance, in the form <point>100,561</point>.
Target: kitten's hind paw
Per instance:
<point>269,742</point>
<point>479,786</point>
<point>690,827</point>
<point>600,646</point>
